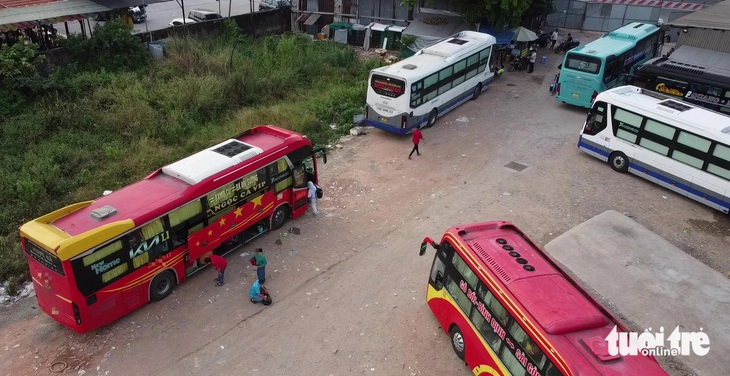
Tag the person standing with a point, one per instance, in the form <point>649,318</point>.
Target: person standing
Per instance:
<point>554,39</point>
<point>312,196</point>
<point>220,264</point>
<point>417,137</point>
<point>260,265</point>
<point>533,58</point>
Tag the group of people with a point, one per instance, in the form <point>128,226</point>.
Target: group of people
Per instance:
<point>258,293</point>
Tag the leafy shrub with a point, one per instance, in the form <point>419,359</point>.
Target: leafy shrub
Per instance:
<point>111,47</point>
<point>103,123</point>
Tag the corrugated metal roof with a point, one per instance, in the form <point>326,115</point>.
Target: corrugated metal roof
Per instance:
<point>19,14</point>
<point>714,17</point>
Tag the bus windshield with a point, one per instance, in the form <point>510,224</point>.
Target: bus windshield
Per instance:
<point>582,63</point>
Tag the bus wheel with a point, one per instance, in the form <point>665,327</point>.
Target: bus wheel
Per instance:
<point>432,118</point>
<point>457,341</point>
<point>477,91</point>
<point>281,214</point>
<point>162,285</point>
<point>619,161</point>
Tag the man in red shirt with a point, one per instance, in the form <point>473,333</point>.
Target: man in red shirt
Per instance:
<point>417,137</point>
<point>219,263</point>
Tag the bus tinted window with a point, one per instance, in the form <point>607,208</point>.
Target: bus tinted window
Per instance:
<point>390,87</point>
<point>587,64</point>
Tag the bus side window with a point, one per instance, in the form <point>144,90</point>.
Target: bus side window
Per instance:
<point>596,121</point>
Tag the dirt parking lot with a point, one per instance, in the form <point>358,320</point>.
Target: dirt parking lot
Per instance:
<point>349,290</point>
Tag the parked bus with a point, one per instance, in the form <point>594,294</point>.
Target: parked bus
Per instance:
<point>509,309</point>
<point>698,76</point>
<point>95,261</point>
<point>606,62</point>
<point>417,90</point>
<point>674,144</point>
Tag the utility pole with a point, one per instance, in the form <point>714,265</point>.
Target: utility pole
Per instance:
<point>182,5</point>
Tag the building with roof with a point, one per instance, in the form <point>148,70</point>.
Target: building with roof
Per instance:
<point>27,14</point>
<point>708,28</point>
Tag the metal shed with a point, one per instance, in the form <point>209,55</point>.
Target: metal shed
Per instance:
<point>708,28</point>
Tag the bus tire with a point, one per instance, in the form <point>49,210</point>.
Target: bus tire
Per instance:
<point>619,161</point>
<point>162,285</point>
<point>279,217</point>
<point>432,118</point>
<point>457,341</point>
<point>477,91</point>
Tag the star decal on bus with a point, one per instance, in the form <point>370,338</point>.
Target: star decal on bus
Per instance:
<point>210,232</point>
<point>239,212</point>
<point>257,201</point>
<point>222,221</point>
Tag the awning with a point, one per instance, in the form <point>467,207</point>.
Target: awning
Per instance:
<point>312,19</point>
<point>25,14</point>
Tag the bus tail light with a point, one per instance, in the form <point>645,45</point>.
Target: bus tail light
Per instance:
<point>403,121</point>
<point>367,111</point>
<point>593,97</point>
<point>557,89</point>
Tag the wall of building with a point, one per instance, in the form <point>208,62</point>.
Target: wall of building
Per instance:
<point>716,40</point>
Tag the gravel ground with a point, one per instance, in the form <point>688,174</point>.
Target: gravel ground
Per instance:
<point>349,290</point>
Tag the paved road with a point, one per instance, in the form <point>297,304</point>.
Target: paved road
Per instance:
<point>349,291</point>
<point>159,15</point>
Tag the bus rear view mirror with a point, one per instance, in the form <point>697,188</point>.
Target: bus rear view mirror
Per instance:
<point>322,152</point>
<point>425,243</point>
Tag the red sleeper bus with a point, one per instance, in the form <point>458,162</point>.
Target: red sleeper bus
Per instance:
<point>95,261</point>
<point>510,310</point>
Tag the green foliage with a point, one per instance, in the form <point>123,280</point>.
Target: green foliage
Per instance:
<point>18,60</point>
<point>100,126</point>
<point>494,12</point>
<point>18,72</point>
<point>112,47</point>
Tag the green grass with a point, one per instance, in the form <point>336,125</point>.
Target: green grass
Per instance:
<point>93,129</point>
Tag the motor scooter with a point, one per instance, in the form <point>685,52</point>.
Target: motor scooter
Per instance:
<point>565,46</point>
<point>519,63</point>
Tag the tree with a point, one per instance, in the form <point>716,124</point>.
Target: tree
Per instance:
<point>500,13</point>
<point>112,47</point>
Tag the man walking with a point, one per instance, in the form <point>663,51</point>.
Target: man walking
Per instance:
<point>417,137</point>
<point>260,265</point>
<point>554,39</point>
<point>220,264</point>
<point>533,58</point>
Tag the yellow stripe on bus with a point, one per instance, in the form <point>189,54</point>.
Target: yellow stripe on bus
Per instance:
<point>146,277</point>
<point>89,239</point>
<point>433,294</point>
<point>514,307</point>
<point>484,369</point>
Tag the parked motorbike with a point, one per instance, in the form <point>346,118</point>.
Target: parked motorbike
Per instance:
<point>519,64</point>
<point>542,40</point>
<point>565,46</point>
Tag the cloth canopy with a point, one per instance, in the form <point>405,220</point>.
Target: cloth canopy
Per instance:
<point>523,35</point>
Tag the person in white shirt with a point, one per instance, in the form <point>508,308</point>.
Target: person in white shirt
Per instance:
<point>554,39</point>
<point>533,58</point>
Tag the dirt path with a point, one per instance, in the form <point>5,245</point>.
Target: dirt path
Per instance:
<point>349,290</point>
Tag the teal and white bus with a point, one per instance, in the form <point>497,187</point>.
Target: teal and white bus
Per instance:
<point>606,62</point>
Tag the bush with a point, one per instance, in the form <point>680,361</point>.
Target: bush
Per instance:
<point>111,47</point>
<point>104,124</point>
